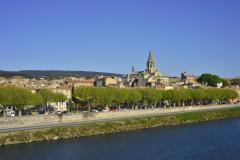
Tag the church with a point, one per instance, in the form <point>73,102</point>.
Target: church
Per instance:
<point>151,77</point>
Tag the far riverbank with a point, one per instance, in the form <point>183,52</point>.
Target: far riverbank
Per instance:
<point>115,126</point>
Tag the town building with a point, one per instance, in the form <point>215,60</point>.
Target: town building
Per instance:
<point>189,81</point>
<point>109,81</point>
<point>80,83</point>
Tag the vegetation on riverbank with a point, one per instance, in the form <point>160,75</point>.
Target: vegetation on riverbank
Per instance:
<point>23,98</point>
<point>20,97</point>
<point>114,126</point>
<point>149,97</point>
<point>97,97</point>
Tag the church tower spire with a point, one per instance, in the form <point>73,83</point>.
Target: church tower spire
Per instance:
<point>133,69</point>
<point>150,63</point>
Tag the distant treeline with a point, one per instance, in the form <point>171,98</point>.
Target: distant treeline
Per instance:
<point>151,97</point>
<point>51,74</point>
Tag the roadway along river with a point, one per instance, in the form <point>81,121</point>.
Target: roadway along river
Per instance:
<point>218,140</point>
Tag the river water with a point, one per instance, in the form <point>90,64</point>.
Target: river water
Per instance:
<point>218,140</point>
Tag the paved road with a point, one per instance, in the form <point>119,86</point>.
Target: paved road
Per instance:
<point>2,130</point>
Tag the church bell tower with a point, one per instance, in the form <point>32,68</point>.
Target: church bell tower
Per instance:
<point>150,63</point>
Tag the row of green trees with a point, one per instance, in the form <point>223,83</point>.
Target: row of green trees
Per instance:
<point>97,96</point>
<point>13,96</point>
<point>21,98</point>
<point>94,96</point>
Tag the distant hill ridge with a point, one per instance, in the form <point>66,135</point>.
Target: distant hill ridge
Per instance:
<point>54,73</point>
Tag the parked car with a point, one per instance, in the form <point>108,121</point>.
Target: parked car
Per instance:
<point>10,113</point>
<point>95,110</point>
<point>105,109</point>
<point>26,112</point>
<point>41,110</point>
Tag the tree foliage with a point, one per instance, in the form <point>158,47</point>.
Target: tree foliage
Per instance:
<point>107,96</point>
<point>49,96</point>
<point>211,80</point>
<point>13,96</point>
<point>19,97</point>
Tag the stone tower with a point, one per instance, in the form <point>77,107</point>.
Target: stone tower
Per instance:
<point>150,63</point>
<point>133,69</point>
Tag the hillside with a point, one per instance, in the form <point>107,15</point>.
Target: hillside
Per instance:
<point>54,73</point>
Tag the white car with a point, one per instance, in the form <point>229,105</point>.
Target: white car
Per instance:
<point>95,110</point>
<point>105,110</point>
<point>10,113</point>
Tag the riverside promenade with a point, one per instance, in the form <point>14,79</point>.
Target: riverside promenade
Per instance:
<point>11,124</point>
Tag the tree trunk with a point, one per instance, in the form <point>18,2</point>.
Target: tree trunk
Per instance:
<point>164,104</point>
<point>4,112</point>
<point>155,105</point>
<point>89,107</point>
<point>20,113</point>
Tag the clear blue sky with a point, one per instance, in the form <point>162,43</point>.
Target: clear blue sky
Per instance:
<point>196,36</point>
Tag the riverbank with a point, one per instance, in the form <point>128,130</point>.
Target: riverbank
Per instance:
<point>115,126</point>
<point>20,123</point>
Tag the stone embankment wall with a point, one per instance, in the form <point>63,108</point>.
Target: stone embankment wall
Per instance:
<point>27,121</point>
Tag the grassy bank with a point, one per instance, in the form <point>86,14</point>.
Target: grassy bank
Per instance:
<point>115,126</point>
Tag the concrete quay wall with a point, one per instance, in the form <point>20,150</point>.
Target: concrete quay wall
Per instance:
<point>26,121</point>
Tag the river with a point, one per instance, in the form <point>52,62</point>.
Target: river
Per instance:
<point>212,140</point>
